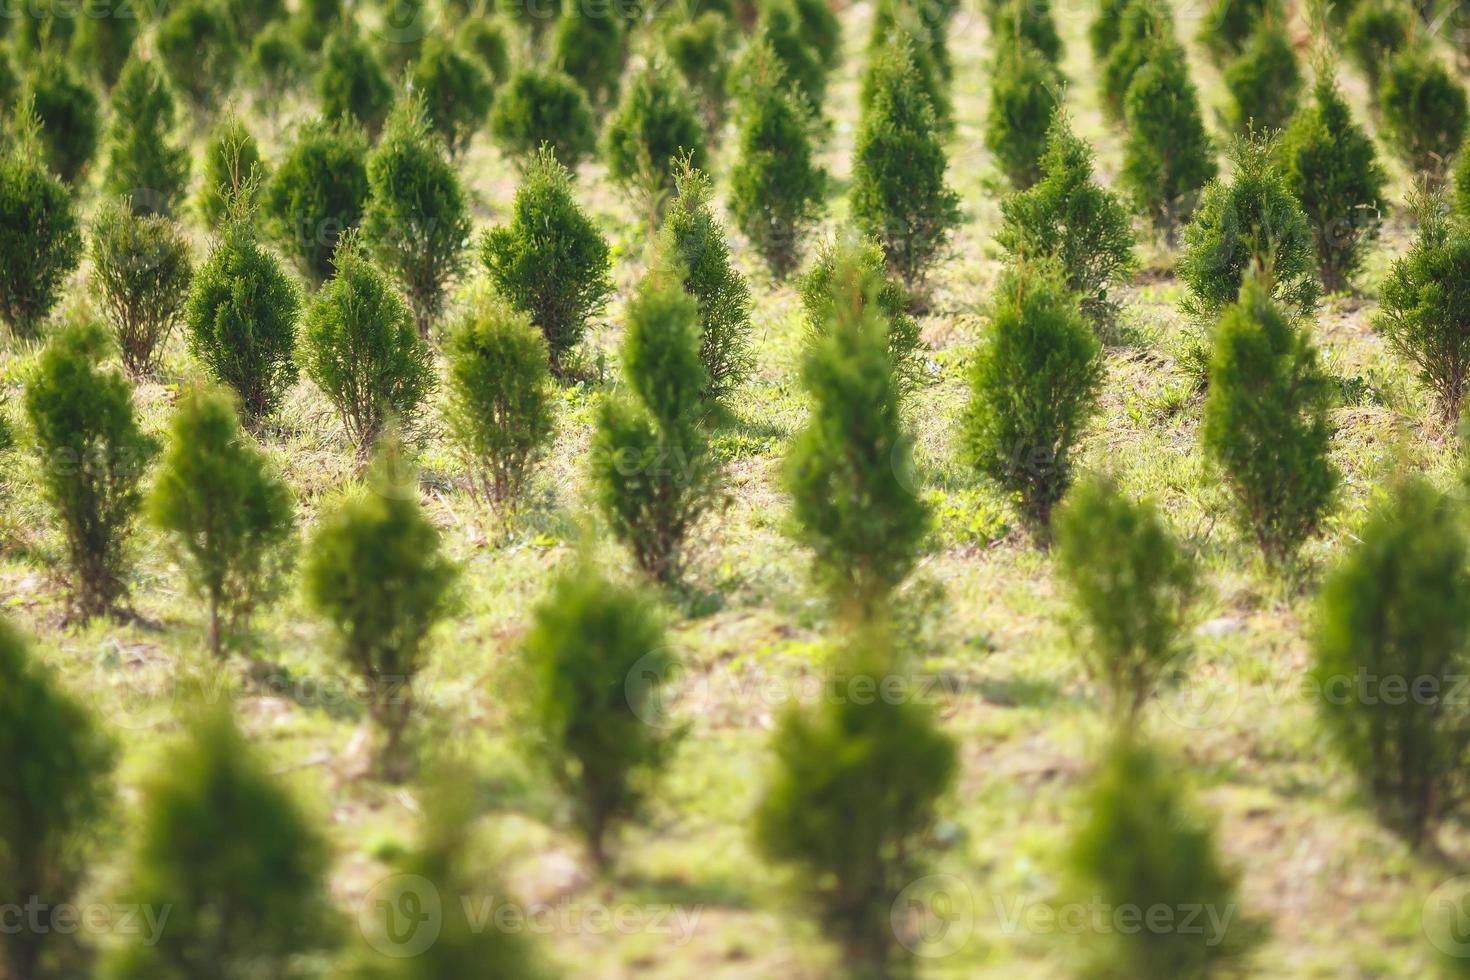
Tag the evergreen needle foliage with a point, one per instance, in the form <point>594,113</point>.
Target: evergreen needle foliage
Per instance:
<point>231,517</point>
<point>197,45</point>
<point>700,49</point>
<point>69,115</point>
<point>456,90</point>
<point>92,457</point>
<point>1025,90</point>
<point>1143,26</point>
<point>40,237</point>
<point>1017,24</point>
<point>1265,422</point>
<point>590,47</point>
<point>1375,31</point>
<point>780,31</point>
<point>1230,26</point>
<point>550,261</point>
<point>317,194</point>
<point>352,85</point>
<point>540,107</point>
<point>102,40</point>
<point>1425,111</point>
<point>655,127</point>
<point>142,269</point>
<point>144,163</point>
<point>1264,81</point>
<point>233,173</point>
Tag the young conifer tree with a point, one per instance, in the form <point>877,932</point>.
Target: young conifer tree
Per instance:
<point>550,261</point>
<point>229,514</point>
<point>144,161</point>
<point>851,803</point>
<point>416,222</point>
<point>233,172</point>
<point>780,31</point>
<point>53,798</point>
<point>1068,216</point>
<point>652,469</point>
<point>1229,27</point>
<point>92,456</point>
<point>776,185</point>
<point>317,194</point>
<point>899,195</point>
<point>590,47</point>
<point>543,107</point>
<point>141,268</point>
<point>1264,81</point>
<point>700,49</point>
<point>457,92</point>
<point>898,21</point>
<point>1025,92</point>
<point>40,236</point>
<point>1143,25</point>
<point>1016,24</point>
<point>1033,388</point>
<point>1265,422</point>
<point>198,47</point>
<point>352,85</point>
<point>103,40</point>
<point>374,571</point>
<point>1399,607</point>
<point>849,471</point>
<point>655,126</point>
<point>693,242</point>
<point>596,652</point>
<point>69,113</point>
<point>1375,31</point>
<point>1425,111</point>
<point>253,908</point>
<point>1167,155</point>
<point>1131,584</point>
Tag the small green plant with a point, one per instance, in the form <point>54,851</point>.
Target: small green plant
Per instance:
<point>1131,584</point>
<point>352,83</point>
<point>1265,422</point>
<point>1330,167</point>
<point>488,40</point>
<point>317,194</point>
<point>241,322</point>
<point>502,402</point>
<point>52,798</point>
<point>899,21</point>
<point>360,347</point>
<point>69,117</point>
<point>1230,26</point>
<point>1143,27</point>
<point>142,268</point>
<point>850,471</point>
<point>699,48</point>
<point>1425,308</point>
<point>693,241</point>
<point>233,172</point>
<point>1068,216</point>
<point>1425,111</point>
<point>277,62</point>
<point>1025,91</point>
<point>550,260</point>
<point>1396,611</point>
<point>590,46</point>
<point>416,222</point>
<point>92,457</point>
<point>1375,31</point>
<point>102,40</point>
<point>457,92</point>
<point>655,126</point>
<point>199,50</point>
<point>260,904</point>
<point>1017,24</point>
<point>652,470</point>
<point>40,237</point>
<point>779,30</point>
<point>541,107</point>
<point>1264,81</point>
<point>851,804</point>
<point>229,514</point>
<point>315,21</point>
<point>144,162</point>
<point>1033,387</point>
<point>596,653</point>
<point>373,570</point>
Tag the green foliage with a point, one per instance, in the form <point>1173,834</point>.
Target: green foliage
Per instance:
<point>315,21</point>
<point>488,40</point>
<point>906,350</point>
<point>533,19</point>
<point>197,45</point>
<point>820,31</point>
<point>317,194</point>
<point>543,107</point>
<point>1143,26</point>
<point>245,910</point>
<point>1143,846</point>
<point>1068,216</point>
<point>91,456</point>
<point>780,30</point>
<point>416,222</point>
<point>9,80</point>
<point>693,241</point>
<point>1265,422</point>
<point>1425,308</point>
<point>852,801</point>
<point>550,261</point>
<point>1167,155</point>
<point>776,185</point>
<point>277,60</point>
<point>1251,220</point>
<point>373,570</point>
<point>501,410</point>
<point>353,84</point>
<point>144,163</point>
<point>899,21</point>
<point>699,49</point>
<point>1230,26</point>
<point>652,471</point>
<point>103,39</point>
<point>1106,28</point>
<point>68,112</point>
<point>230,516</point>
<point>40,238</point>
<point>360,347</point>
<point>596,652</point>
<point>1264,81</point>
<point>1375,31</point>
<point>1396,614</point>
<point>142,268</point>
<point>1424,111</point>
<point>457,92</point>
<point>590,47</point>
<point>1025,91</point>
<point>854,490</point>
<point>654,127</point>
<point>899,196</point>
<point>1025,24</point>
<point>241,320</point>
<point>233,172</point>
<point>1034,386</point>
<point>53,795</point>
<point>1130,583</point>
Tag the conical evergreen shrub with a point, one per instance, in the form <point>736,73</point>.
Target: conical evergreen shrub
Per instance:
<point>373,570</point>
<point>540,107</point>
<point>1265,422</point>
<point>1375,31</point>
<point>1229,26</point>
<point>352,83</point>
<point>1143,26</point>
<point>1425,111</point>
<point>1105,29</point>
<point>1034,386</point>
<point>1025,92</point>
<point>277,61</point>
<point>488,40</point>
<point>780,30</point>
<point>102,40</point>
<point>849,471</point>
<point>142,269</point>
<point>54,794</point>
<point>92,456</point>
<point>457,92</point>
<point>144,162</point>
<point>1264,81</point>
<point>317,194</point>
<point>699,49</point>
<point>199,50</point>
<point>900,21</point>
<point>69,115</point>
<point>40,237</point>
<point>820,31</point>
<point>1167,155</point>
<point>233,172</point>
<point>229,515</point>
<point>590,47</point>
<point>315,20</point>
<point>1019,24</point>
<point>596,652</point>
<point>654,127</point>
